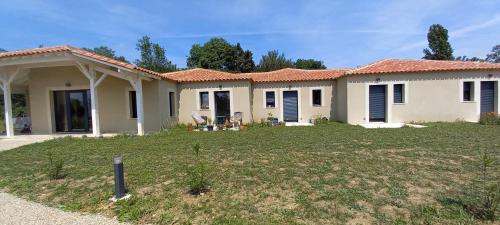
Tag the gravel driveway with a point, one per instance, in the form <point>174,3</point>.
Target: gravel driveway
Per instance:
<point>16,211</point>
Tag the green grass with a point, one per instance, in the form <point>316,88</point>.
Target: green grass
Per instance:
<point>328,174</point>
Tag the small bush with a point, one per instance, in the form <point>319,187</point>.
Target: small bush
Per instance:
<point>489,119</point>
<point>318,120</point>
<point>55,167</point>
<point>484,198</point>
<point>198,182</point>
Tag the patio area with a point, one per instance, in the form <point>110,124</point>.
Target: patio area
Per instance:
<point>7,143</point>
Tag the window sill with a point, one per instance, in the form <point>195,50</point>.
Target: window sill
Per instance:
<point>317,106</point>
<point>468,102</point>
<point>270,108</point>
<point>403,103</point>
<point>204,109</point>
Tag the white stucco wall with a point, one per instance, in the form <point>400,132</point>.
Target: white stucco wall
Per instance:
<point>430,96</point>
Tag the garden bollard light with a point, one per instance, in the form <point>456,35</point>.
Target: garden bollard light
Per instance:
<point>119,179</point>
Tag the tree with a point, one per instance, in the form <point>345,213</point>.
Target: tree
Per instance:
<point>467,59</point>
<point>309,64</point>
<point>153,56</point>
<point>242,60</point>
<point>107,52</point>
<point>439,47</point>
<point>218,54</point>
<point>274,60</point>
<point>494,56</point>
<point>193,59</point>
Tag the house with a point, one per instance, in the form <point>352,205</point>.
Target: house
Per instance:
<point>397,91</point>
<point>73,90</point>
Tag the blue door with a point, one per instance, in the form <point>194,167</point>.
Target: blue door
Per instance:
<point>377,103</point>
<point>290,106</point>
<point>487,96</point>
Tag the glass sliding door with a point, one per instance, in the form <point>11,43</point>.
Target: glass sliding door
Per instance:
<point>222,106</point>
<point>72,111</point>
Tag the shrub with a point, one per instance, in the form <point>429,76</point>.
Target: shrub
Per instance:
<point>198,182</point>
<point>489,119</point>
<point>318,120</point>
<point>55,167</point>
<point>484,199</point>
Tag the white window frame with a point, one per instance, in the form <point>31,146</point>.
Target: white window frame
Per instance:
<point>312,89</point>
<point>50,102</point>
<point>264,98</point>
<point>127,103</point>
<point>174,104</point>
<point>475,97</point>
<point>405,93</point>
<point>198,100</point>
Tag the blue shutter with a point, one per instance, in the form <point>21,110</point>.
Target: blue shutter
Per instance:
<point>290,106</point>
<point>487,96</point>
<point>377,103</point>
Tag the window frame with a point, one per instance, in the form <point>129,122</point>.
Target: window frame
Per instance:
<point>200,100</point>
<point>132,104</point>
<point>265,99</point>
<point>171,103</point>
<point>320,97</point>
<point>471,91</point>
<point>403,93</point>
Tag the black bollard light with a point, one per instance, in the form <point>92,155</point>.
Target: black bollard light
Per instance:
<point>119,178</point>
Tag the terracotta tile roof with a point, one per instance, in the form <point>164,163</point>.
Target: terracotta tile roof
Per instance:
<point>283,75</point>
<point>200,75</point>
<point>290,74</point>
<point>414,66</point>
<point>77,51</point>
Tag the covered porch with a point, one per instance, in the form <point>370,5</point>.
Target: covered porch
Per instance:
<point>69,90</point>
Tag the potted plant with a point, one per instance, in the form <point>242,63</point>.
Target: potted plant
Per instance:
<point>210,126</point>
<point>190,126</point>
<point>227,124</point>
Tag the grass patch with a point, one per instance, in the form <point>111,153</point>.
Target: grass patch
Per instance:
<point>328,174</point>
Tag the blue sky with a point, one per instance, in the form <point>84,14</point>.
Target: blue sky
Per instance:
<point>340,33</point>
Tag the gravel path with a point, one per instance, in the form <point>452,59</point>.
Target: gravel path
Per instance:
<point>16,211</point>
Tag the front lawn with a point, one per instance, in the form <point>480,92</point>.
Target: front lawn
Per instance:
<point>328,174</point>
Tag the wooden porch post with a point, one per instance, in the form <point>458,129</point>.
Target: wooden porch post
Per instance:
<point>140,107</point>
<point>90,73</point>
<point>96,128</point>
<point>137,85</point>
<point>5,81</point>
<point>9,123</point>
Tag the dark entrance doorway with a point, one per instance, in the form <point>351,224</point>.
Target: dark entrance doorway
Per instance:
<point>222,106</point>
<point>487,96</point>
<point>377,103</point>
<point>72,111</point>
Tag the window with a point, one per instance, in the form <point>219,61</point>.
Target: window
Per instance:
<point>171,102</point>
<point>270,99</point>
<point>132,104</point>
<point>468,91</point>
<point>399,93</point>
<point>316,97</point>
<point>204,100</point>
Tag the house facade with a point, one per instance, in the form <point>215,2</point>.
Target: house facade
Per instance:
<point>71,90</point>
